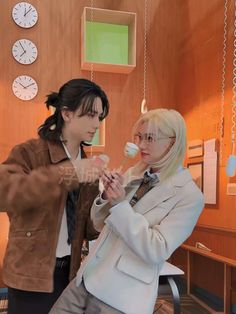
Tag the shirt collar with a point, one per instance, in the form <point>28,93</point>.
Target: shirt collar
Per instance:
<point>69,155</point>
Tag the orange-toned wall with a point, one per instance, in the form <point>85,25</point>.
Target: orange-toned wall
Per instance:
<point>57,36</point>
<point>199,100</point>
<point>199,90</point>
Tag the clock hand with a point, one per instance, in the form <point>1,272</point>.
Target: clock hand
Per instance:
<point>28,11</point>
<point>23,53</point>
<point>29,85</point>
<point>22,46</point>
<point>22,85</point>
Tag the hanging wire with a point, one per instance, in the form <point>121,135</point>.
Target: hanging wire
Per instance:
<point>223,81</point>
<point>233,105</point>
<point>92,26</point>
<point>143,105</point>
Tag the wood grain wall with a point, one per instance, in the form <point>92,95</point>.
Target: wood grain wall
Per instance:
<point>199,100</point>
<point>199,90</point>
<point>57,36</point>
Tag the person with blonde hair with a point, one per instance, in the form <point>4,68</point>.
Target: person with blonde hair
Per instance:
<point>143,218</point>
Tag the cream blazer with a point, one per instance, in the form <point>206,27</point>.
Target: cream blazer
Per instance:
<point>123,267</point>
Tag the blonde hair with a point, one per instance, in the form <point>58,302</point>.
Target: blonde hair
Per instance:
<point>171,124</point>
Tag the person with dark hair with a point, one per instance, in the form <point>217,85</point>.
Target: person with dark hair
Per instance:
<point>47,187</point>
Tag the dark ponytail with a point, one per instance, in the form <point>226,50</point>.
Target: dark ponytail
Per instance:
<point>73,94</point>
<point>51,129</point>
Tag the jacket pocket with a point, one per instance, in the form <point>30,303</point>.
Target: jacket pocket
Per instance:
<point>28,234</point>
<point>27,250</point>
<point>134,266</point>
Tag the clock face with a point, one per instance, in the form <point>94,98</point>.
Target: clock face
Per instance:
<point>24,51</point>
<point>25,87</point>
<point>24,14</point>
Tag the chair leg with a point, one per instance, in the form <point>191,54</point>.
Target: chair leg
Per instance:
<point>175,294</point>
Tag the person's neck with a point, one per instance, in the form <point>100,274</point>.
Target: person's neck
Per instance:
<point>73,146</point>
<point>153,170</point>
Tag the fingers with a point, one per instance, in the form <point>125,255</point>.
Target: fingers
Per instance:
<point>115,191</point>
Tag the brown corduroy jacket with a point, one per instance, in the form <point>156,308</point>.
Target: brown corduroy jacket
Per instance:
<point>34,182</point>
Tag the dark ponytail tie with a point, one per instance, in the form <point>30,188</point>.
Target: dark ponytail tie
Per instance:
<point>52,100</point>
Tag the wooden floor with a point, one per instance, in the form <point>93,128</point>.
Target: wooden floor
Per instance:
<point>188,306</point>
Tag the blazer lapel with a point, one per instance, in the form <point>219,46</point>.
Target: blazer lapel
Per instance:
<point>162,192</point>
<point>155,196</point>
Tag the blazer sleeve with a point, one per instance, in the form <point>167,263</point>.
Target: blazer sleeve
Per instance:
<point>155,244</point>
<point>22,186</point>
<point>99,212</point>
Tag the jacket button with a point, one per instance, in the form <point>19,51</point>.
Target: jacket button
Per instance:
<point>28,234</point>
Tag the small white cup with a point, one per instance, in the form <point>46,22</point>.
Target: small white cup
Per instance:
<point>131,149</point>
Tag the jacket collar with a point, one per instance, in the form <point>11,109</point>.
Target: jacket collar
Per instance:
<point>57,152</point>
<point>181,177</point>
<point>161,192</point>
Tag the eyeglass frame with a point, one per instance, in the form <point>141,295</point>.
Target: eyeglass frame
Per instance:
<point>154,140</point>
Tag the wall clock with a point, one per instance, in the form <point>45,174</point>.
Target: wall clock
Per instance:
<point>24,51</point>
<point>25,87</point>
<point>24,14</point>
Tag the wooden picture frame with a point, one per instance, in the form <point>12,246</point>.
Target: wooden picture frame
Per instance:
<point>91,21</point>
<point>196,170</point>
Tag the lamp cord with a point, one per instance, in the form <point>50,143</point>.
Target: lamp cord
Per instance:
<point>143,104</point>
<point>92,20</point>
<point>233,105</point>
<point>223,81</point>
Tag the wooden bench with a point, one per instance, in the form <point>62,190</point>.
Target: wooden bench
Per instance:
<point>228,265</point>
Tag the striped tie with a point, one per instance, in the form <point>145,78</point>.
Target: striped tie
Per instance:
<point>146,185</point>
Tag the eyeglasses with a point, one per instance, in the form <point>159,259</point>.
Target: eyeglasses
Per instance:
<point>149,138</point>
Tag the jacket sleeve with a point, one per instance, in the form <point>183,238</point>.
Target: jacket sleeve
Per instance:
<point>91,232</point>
<point>99,212</point>
<point>89,192</point>
<point>155,244</point>
<point>21,186</point>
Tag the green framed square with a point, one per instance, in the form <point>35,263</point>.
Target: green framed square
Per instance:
<point>107,43</point>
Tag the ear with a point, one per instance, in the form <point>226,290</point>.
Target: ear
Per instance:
<point>66,114</point>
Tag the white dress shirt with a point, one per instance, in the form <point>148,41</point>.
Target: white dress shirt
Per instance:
<point>63,248</point>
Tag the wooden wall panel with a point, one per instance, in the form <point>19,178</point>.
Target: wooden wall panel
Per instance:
<point>220,241</point>
<point>4,224</point>
<point>199,90</point>
<point>57,35</point>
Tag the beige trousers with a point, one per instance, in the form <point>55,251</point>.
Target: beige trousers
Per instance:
<point>77,300</point>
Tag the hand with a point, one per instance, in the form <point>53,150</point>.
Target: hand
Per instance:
<point>113,189</point>
<point>89,170</point>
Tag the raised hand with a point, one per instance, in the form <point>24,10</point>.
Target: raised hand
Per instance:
<point>113,188</point>
<point>90,169</point>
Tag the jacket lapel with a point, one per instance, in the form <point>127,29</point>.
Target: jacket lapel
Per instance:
<point>161,192</point>
<point>155,196</point>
